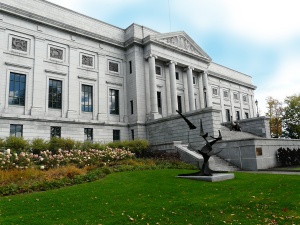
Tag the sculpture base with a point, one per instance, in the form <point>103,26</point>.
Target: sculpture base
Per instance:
<point>214,178</point>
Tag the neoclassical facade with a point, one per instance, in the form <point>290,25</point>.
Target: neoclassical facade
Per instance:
<point>66,74</point>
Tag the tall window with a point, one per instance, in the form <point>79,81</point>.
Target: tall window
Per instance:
<point>158,70</point>
<point>132,134</point>
<point>227,115</point>
<point>17,86</point>
<point>88,134</point>
<point>238,115</point>
<point>159,102</point>
<point>116,135</point>
<point>114,101</point>
<point>16,130</point>
<point>130,67</point>
<point>55,94</point>
<point>131,106</point>
<point>179,103</point>
<point>55,132</point>
<point>246,115</point>
<point>177,75</point>
<point>86,98</point>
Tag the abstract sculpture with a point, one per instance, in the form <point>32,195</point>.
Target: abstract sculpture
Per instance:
<point>206,151</point>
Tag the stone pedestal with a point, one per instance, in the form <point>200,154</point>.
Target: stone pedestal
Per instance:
<point>214,178</point>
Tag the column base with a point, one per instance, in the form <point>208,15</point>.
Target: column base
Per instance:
<point>72,114</point>
<point>154,116</point>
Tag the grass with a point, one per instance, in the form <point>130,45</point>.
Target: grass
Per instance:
<point>158,197</point>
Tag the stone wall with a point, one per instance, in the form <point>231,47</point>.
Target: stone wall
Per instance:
<point>257,125</point>
<point>253,154</point>
<point>174,128</point>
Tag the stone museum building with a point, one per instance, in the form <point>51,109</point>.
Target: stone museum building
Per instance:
<point>66,74</point>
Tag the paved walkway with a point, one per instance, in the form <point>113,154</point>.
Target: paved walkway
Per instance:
<point>273,172</point>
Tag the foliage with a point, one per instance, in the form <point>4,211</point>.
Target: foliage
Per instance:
<point>158,197</point>
<point>2,143</point>
<point>291,117</point>
<point>138,147</point>
<point>56,143</point>
<point>288,157</point>
<point>38,145</point>
<point>275,112</point>
<point>16,181</point>
<point>16,144</point>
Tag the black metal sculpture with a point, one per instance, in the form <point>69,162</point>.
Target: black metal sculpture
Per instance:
<point>206,151</point>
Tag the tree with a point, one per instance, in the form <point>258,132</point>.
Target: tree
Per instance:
<point>291,117</point>
<point>275,112</point>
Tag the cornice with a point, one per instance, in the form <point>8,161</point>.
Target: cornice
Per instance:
<point>217,75</point>
<point>50,22</point>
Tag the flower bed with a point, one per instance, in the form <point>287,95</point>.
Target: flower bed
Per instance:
<point>46,159</point>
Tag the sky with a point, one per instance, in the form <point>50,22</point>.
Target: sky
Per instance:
<point>260,38</point>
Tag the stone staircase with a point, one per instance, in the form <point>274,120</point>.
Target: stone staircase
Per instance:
<point>235,135</point>
<point>216,163</point>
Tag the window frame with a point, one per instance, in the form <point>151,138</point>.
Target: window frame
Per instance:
<point>228,94</point>
<point>116,135</point>
<point>236,96</point>
<point>61,98</point>
<point>81,54</point>
<point>14,91</point>
<point>111,71</point>
<point>10,48</point>
<point>90,95</point>
<point>57,47</point>
<point>14,134</point>
<point>114,104</point>
<point>160,70</point>
<point>54,130</point>
<point>217,89</point>
<point>88,134</point>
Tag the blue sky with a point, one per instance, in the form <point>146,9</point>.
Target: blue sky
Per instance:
<point>260,38</point>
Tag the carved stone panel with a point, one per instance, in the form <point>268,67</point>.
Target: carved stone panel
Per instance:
<point>19,44</point>
<point>114,67</point>
<point>181,42</point>
<point>87,60</point>
<point>56,53</point>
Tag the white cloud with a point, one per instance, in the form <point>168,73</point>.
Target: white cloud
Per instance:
<point>285,82</point>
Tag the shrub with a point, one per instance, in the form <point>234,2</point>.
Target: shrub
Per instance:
<point>38,145</point>
<point>138,147</point>
<point>55,143</point>
<point>288,157</point>
<point>16,144</point>
<point>2,143</point>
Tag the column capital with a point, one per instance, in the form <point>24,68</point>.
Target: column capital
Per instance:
<point>171,62</point>
<point>152,55</point>
<point>189,68</point>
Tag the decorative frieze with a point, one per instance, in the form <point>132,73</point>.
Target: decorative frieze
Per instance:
<point>19,44</point>
<point>56,53</point>
<point>87,60</point>
<point>113,67</point>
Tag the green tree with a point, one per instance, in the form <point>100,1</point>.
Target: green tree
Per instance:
<point>291,117</point>
<point>275,112</point>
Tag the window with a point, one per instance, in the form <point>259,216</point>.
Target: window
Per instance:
<point>226,94</point>
<point>131,106</point>
<point>194,80</point>
<point>19,44</point>
<point>245,98</point>
<point>235,96</point>
<point>177,75</point>
<point>246,115</point>
<point>132,134</point>
<point>114,101</point>
<point>237,115</point>
<point>159,102</point>
<point>86,98</point>
<point>130,67</point>
<point>179,103</point>
<point>116,135</point>
<point>227,115</point>
<point>55,132</point>
<point>158,70</point>
<point>56,53</point>
<point>215,91</point>
<point>88,134</point>
<point>113,67</point>
<point>17,87</point>
<point>87,60</point>
<point>16,130</point>
<point>55,94</point>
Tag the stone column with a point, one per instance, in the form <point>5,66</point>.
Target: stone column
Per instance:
<point>206,89</point>
<point>152,79</point>
<point>201,94</point>
<point>173,86</point>
<point>189,72</point>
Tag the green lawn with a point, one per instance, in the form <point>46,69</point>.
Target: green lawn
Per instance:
<point>158,197</point>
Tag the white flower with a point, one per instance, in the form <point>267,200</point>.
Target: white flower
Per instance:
<point>8,151</point>
<point>42,167</point>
